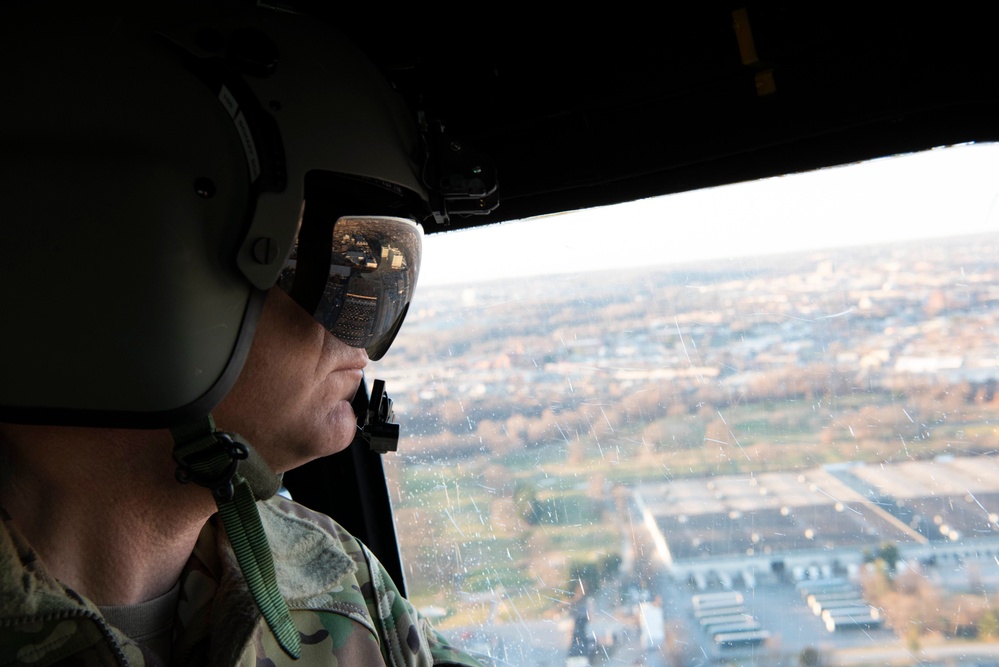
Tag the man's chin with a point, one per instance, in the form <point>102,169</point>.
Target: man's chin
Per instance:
<point>317,437</point>
<point>342,425</point>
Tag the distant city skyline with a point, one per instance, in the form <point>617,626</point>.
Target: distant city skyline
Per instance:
<point>938,193</point>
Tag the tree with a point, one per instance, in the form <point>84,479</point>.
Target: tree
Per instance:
<point>809,657</point>
<point>525,496</point>
<point>585,575</point>
<point>889,554</point>
<point>492,436</point>
<point>988,624</point>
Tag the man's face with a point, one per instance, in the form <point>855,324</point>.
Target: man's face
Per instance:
<point>292,399</point>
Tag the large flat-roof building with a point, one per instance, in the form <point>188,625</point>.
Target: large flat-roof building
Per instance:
<point>823,520</point>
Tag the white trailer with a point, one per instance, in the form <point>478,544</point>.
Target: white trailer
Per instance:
<point>653,632</point>
<point>721,601</point>
<point>834,623</point>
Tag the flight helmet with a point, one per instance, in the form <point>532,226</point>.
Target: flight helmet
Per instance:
<point>156,172</point>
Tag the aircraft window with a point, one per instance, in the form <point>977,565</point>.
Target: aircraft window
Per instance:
<point>756,420</point>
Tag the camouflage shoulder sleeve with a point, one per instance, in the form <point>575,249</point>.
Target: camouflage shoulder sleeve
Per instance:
<point>407,637</point>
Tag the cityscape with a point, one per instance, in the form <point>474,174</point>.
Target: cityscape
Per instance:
<point>588,458</point>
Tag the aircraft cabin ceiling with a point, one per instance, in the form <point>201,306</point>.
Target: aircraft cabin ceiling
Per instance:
<point>580,108</point>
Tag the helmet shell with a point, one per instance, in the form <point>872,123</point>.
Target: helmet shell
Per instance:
<point>131,209</point>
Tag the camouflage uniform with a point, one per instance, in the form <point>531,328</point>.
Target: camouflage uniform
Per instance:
<point>347,610</point>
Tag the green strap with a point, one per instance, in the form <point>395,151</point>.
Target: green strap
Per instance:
<point>210,458</point>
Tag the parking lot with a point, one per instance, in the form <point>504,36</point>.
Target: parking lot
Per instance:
<point>781,611</point>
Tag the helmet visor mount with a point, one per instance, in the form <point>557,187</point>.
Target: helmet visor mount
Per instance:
<point>355,273</point>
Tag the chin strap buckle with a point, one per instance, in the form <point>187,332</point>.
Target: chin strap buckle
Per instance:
<point>381,434</point>
<point>207,467</point>
<point>211,458</point>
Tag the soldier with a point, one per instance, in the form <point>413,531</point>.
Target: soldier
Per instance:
<point>159,299</point>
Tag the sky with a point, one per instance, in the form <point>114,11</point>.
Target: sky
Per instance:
<point>944,192</point>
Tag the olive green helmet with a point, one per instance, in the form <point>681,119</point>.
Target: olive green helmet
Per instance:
<point>152,178</point>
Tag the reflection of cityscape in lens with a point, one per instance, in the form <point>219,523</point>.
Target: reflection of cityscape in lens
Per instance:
<point>368,298</point>
<point>589,458</point>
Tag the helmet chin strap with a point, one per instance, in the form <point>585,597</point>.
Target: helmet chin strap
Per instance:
<point>236,475</point>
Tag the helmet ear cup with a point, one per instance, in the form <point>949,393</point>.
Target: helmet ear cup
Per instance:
<point>125,190</point>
